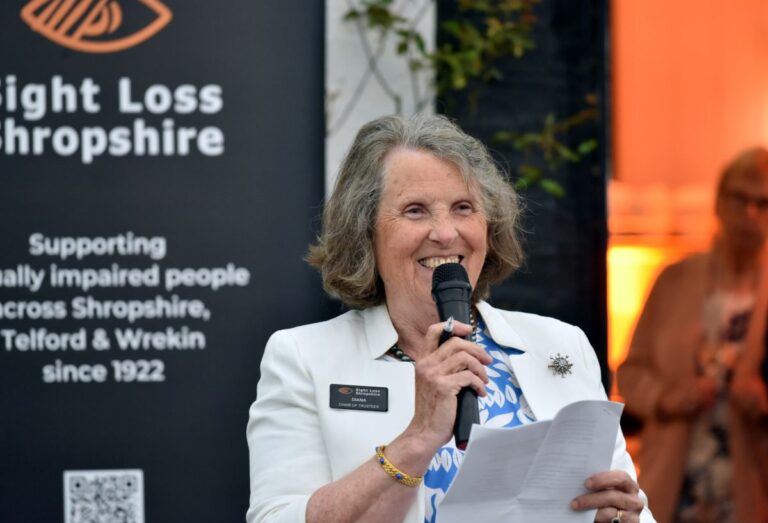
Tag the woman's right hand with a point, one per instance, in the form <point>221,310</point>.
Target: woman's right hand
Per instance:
<point>685,399</point>
<point>440,376</point>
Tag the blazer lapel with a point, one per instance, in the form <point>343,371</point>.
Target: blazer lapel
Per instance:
<point>545,392</point>
<point>537,383</point>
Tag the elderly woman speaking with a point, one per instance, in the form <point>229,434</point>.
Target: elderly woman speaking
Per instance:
<point>412,194</point>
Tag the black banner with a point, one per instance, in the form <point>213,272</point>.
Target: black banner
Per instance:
<point>161,166</point>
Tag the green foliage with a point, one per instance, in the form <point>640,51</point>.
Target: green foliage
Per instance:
<point>546,150</point>
<point>377,14</point>
<point>473,44</point>
<point>486,32</point>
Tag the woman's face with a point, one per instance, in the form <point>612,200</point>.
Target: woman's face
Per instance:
<point>742,209</point>
<point>427,216</point>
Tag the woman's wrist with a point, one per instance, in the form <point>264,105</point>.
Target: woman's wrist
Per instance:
<point>411,453</point>
<point>677,401</point>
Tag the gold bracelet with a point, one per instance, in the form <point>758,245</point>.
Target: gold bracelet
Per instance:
<point>394,472</point>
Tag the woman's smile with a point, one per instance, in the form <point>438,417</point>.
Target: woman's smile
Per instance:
<point>436,261</point>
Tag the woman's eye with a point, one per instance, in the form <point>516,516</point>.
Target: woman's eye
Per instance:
<point>413,211</point>
<point>464,208</point>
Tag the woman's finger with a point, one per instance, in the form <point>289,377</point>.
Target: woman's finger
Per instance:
<point>436,330</point>
<point>454,345</point>
<point>460,345</point>
<point>608,498</point>
<point>606,514</point>
<point>610,489</point>
<point>466,378</point>
<point>605,498</point>
<point>464,361</point>
<point>612,479</point>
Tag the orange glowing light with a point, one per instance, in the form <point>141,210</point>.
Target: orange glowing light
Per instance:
<point>632,270</point>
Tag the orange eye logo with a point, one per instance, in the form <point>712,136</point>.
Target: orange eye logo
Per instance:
<point>90,25</point>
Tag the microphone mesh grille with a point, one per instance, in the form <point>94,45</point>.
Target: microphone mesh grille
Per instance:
<point>449,272</point>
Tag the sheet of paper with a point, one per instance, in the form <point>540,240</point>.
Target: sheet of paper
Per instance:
<point>532,472</point>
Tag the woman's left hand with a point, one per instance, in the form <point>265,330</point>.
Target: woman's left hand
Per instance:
<point>749,394</point>
<point>614,494</point>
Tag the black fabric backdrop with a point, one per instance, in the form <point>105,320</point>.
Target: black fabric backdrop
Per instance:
<point>253,205</point>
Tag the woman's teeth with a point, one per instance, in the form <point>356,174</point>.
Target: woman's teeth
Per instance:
<point>431,263</point>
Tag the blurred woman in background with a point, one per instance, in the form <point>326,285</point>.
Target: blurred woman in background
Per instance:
<point>692,377</point>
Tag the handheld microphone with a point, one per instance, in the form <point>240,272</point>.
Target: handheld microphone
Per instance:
<point>453,296</point>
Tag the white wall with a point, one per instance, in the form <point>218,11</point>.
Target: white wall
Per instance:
<point>363,70</point>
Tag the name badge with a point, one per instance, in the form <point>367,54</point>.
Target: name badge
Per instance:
<point>359,397</point>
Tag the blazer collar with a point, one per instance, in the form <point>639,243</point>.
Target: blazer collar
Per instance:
<point>500,328</point>
<point>380,334</point>
<point>379,331</point>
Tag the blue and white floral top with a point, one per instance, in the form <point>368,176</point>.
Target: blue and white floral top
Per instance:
<point>504,406</point>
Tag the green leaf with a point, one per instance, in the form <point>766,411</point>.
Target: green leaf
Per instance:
<point>566,153</point>
<point>379,16</point>
<point>531,173</point>
<point>458,80</point>
<point>587,146</point>
<point>527,139</point>
<point>522,184</point>
<point>552,187</point>
<point>494,26</point>
<point>420,44</point>
<point>416,65</point>
<point>492,74</point>
<point>451,27</point>
<point>503,136</point>
<point>352,14</point>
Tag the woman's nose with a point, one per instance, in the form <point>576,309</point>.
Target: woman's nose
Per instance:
<point>752,210</point>
<point>443,230</point>
<point>750,214</point>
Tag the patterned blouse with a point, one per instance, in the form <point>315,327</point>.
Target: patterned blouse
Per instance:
<point>706,493</point>
<point>504,406</point>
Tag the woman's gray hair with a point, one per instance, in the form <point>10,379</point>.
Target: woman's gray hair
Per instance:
<point>344,253</point>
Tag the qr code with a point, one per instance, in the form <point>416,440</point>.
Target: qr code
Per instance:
<point>104,496</point>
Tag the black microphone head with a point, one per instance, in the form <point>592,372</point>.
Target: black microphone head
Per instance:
<point>452,292</point>
<point>449,272</point>
<point>450,277</point>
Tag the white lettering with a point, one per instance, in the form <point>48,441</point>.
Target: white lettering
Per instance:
<point>169,339</point>
<point>125,103</point>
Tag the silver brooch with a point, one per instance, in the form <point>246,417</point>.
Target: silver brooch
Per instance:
<point>559,365</point>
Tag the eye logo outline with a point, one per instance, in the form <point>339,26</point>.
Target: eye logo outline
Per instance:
<point>90,20</point>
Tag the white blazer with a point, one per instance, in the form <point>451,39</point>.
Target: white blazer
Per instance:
<point>298,443</point>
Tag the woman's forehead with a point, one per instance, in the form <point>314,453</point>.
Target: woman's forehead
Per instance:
<point>408,169</point>
<point>748,181</point>
<point>404,157</point>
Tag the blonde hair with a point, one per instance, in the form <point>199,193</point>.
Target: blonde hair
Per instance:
<point>343,252</point>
